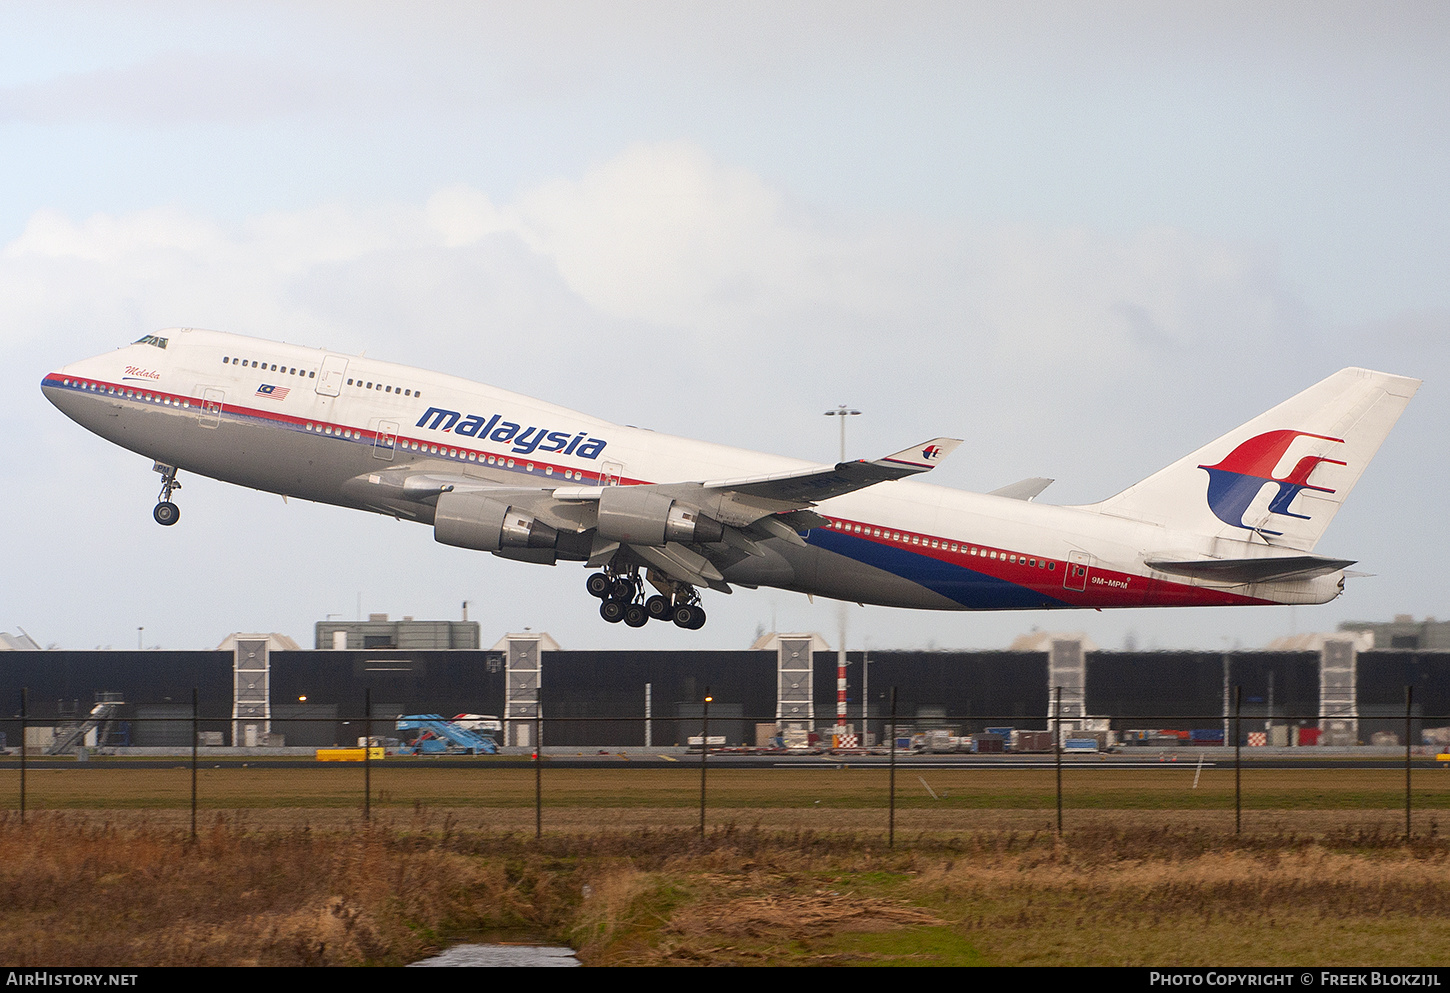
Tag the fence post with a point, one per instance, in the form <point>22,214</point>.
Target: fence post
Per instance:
<point>24,724</point>
<point>1057,754</point>
<point>891,822</point>
<point>367,753</point>
<point>539,757</point>
<point>1409,697</point>
<point>195,730</point>
<point>704,752</point>
<point>1238,747</point>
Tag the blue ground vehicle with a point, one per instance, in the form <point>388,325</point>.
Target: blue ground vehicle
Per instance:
<point>434,735</point>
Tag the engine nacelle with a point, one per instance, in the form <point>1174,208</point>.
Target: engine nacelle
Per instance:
<point>641,515</point>
<point>473,520</point>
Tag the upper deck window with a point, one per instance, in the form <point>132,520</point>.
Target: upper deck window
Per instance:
<point>151,339</point>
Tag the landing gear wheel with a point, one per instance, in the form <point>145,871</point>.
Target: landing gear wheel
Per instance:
<point>599,585</point>
<point>623,590</point>
<point>658,608</point>
<point>699,620</point>
<point>685,616</point>
<point>166,512</point>
<point>612,611</point>
<point>635,616</point>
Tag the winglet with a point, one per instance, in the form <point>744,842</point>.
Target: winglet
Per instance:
<point>923,457</point>
<point>1023,489</point>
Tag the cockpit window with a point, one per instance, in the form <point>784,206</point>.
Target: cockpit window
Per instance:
<point>151,339</point>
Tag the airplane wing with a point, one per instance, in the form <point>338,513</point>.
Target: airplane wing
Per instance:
<point>806,487</point>
<point>744,500</point>
<point>672,526</point>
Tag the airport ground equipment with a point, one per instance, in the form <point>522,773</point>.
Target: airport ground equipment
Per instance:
<point>107,708</point>
<point>437,736</point>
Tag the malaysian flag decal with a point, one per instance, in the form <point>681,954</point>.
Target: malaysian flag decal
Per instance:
<point>273,392</point>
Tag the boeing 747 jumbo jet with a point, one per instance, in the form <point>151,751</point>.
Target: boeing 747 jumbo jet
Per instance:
<point>1235,522</point>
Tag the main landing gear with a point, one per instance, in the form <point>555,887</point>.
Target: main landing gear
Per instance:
<point>166,512</point>
<point>622,598</point>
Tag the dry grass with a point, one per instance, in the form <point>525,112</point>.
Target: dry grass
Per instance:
<point>1170,897</point>
<point>1321,874</point>
<point>124,889</point>
<point>1104,896</point>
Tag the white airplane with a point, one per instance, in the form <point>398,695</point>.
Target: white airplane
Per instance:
<point>1235,522</point>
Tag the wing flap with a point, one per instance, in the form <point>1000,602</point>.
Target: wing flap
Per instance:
<point>681,563</point>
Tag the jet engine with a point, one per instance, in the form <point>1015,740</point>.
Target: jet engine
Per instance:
<point>473,520</point>
<point>641,515</point>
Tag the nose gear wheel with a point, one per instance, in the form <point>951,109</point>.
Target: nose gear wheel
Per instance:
<point>166,513</point>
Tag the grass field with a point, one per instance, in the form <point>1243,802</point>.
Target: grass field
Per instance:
<point>794,868</point>
<point>95,785</point>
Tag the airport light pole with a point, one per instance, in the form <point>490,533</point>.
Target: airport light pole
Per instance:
<point>842,412</point>
<point>704,753</point>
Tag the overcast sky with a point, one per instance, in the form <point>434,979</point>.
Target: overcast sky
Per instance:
<point>1086,237</point>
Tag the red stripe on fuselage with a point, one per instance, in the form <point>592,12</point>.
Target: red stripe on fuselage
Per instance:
<point>1102,587</point>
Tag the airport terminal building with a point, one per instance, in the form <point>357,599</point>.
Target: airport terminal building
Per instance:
<point>262,689</point>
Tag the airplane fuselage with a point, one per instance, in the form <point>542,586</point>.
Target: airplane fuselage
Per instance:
<point>359,432</point>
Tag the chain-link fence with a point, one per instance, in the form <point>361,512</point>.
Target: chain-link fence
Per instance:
<point>703,766</point>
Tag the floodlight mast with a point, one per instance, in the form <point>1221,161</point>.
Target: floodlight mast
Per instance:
<point>842,412</point>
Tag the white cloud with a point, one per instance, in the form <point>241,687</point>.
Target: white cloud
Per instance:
<point>110,239</point>
<point>686,253</point>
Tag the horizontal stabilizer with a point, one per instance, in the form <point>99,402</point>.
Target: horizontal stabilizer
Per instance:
<point>1256,570</point>
<point>1023,489</point>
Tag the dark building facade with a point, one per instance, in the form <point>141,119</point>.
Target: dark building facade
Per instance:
<point>598,699</point>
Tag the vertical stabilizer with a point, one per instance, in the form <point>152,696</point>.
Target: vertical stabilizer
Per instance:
<point>1282,476</point>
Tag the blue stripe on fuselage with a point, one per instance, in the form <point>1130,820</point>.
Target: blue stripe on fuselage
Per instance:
<point>965,586</point>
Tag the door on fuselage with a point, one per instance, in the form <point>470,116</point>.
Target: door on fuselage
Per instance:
<point>385,440</point>
<point>1077,571</point>
<point>212,399</point>
<point>334,368</point>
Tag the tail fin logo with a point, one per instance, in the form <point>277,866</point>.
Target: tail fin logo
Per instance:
<point>1236,481</point>
<point>931,453</point>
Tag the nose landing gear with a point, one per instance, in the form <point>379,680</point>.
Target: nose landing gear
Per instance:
<point>166,513</point>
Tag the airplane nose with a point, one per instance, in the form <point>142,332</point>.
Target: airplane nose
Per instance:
<point>70,381</point>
